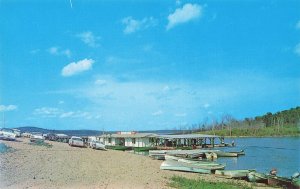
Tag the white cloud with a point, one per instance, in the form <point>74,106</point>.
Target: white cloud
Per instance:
<point>58,52</point>
<point>49,112</point>
<point>181,15</point>
<point>133,25</point>
<point>7,108</point>
<point>89,38</point>
<point>297,49</point>
<point>77,67</point>
<point>157,113</point>
<point>298,25</point>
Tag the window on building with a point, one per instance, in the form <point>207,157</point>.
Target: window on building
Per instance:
<point>109,140</point>
<point>133,140</point>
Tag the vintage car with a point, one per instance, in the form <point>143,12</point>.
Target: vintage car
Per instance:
<point>76,141</point>
<point>36,137</point>
<point>97,145</point>
<point>7,134</point>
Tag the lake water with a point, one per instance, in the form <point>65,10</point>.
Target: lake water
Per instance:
<point>263,154</point>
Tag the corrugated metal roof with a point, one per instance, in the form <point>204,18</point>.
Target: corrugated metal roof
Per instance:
<point>137,135</point>
<point>187,136</point>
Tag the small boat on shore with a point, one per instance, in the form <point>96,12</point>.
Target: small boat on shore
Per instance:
<point>157,156</point>
<point>257,177</point>
<point>178,166</point>
<point>194,161</point>
<point>234,173</point>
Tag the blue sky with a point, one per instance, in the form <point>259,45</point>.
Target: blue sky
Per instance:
<point>143,65</point>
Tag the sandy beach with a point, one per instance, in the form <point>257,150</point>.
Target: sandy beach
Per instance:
<point>62,166</point>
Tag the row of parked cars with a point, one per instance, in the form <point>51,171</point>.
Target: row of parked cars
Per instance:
<point>12,134</point>
<point>78,141</point>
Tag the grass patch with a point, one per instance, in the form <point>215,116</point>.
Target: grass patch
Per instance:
<point>41,143</point>
<point>184,183</point>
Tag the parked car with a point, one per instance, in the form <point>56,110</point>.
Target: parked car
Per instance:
<point>7,134</point>
<point>97,145</point>
<point>76,141</point>
<point>36,136</point>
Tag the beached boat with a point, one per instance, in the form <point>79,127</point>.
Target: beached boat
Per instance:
<point>202,162</point>
<point>178,166</point>
<point>157,156</point>
<point>226,154</point>
<point>234,173</point>
<point>170,157</point>
<point>257,177</point>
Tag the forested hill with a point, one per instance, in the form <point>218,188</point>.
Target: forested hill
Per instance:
<point>282,123</point>
<point>286,117</point>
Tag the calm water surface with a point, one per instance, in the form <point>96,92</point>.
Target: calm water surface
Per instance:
<point>263,154</point>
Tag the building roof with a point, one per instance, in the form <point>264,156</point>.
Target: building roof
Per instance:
<point>136,135</point>
<point>187,136</point>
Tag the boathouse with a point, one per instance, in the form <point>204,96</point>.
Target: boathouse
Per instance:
<point>129,139</point>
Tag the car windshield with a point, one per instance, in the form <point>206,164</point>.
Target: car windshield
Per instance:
<point>77,139</point>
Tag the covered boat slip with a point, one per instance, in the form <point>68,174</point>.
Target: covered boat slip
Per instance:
<point>190,140</point>
<point>149,141</point>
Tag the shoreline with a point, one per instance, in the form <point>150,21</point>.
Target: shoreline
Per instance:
<point>62,166</point>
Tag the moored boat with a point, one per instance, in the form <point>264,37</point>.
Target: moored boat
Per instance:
<point>226,154</point>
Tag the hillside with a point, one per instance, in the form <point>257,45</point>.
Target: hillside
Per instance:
<point>282,123</point>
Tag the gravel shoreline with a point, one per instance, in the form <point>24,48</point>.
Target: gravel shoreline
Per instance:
<point>62,166</point>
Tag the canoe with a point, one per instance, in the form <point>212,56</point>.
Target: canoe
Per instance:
<point>257,177</point>
<point>226,154</point>
<point>234,173</point>
<point>178,166</point>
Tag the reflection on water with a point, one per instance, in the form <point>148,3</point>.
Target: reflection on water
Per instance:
<point>263,154</point>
